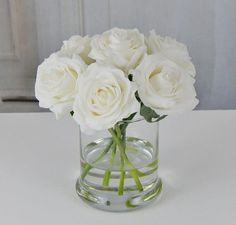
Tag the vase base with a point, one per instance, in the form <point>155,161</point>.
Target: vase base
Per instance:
<point>109,200</point>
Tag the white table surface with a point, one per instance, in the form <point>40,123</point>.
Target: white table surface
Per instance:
<point>39,162</point>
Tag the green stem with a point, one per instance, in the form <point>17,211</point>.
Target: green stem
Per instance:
<point>135,175</point>
<point>133,172</point>
<point>122,176</point>
<point>103,153</point>
<point>86,170</point>
<point>122,164</point>
<point>106,178</point>
<point>107,174</point>
<point>88,167</point>
<point>113,153</point>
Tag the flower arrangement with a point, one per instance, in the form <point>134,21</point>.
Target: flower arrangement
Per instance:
<point>106,80</point>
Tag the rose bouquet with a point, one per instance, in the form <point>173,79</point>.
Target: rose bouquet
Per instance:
<point>108,80</point>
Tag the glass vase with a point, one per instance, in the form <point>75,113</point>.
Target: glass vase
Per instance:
<point>119,166</point>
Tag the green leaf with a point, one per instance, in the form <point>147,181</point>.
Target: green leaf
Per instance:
<point>159,118</point>
<point>149,114</point>
<point>124,125</point>
<point>137,97</point>
<point>130,117</point>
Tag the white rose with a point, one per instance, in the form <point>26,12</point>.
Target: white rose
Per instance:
<point>164,86</point>
<point>56,82</point>
<point>78,45</point>
<point>171,49</point>
<point>119,47</point>
<point>105,96</point>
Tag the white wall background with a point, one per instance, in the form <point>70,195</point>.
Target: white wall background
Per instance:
<point>32,29</point>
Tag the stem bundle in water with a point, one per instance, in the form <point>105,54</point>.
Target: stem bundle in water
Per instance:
<point>118,140</point>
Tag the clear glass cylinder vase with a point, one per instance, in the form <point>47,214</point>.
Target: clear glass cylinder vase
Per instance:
<point>119,167</point>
